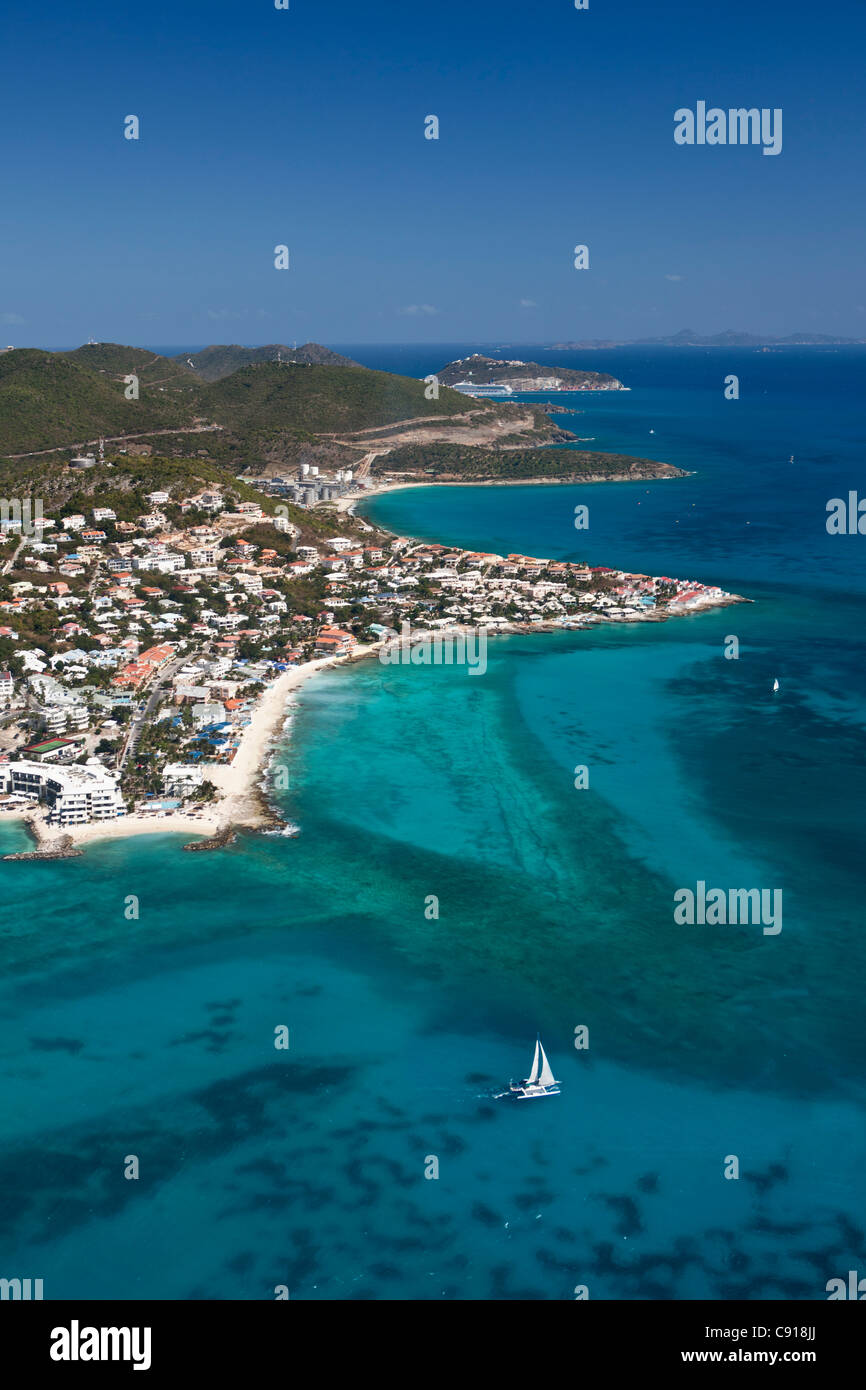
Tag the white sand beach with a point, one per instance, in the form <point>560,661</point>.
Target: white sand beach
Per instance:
<point>240,802</point>
<point>238,780</point>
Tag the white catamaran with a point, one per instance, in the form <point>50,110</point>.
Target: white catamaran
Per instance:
<point>539,1082</point>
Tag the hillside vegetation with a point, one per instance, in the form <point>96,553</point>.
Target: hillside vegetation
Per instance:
<point>62,400</point>
<point>322,400</point>
<point>124,484</point>
<point>116,361</point>
<point>467,462</point>
<point>121,483</point>
<point>49,400</point>
<point>219,360</point>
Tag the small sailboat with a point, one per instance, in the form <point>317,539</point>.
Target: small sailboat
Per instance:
<point>539,1082</point>
<point>775,685</point>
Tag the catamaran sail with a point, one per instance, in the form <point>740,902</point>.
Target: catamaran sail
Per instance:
<point>545,1077</point>
<point>542,1073</point>
<point>540,1082</point>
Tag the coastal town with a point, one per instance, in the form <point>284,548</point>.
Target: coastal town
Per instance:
<point>147,661</point>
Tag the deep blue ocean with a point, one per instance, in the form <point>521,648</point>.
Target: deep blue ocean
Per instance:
<point>306,1167</point>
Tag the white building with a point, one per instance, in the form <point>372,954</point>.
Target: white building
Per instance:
<point>56,708</point>
<point>204,555</point>
<point>169,563</point>
<point>73,795</point>
<point>209,712</point>
<point>252,582</point>
<point>181,778</point>
<point>203,501</point>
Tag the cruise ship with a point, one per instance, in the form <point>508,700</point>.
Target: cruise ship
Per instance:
<point>472,388</point>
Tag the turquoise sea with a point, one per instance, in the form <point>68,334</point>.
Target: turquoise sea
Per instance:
<point>306,1168</point>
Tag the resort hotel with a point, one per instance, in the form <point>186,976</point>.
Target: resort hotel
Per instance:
<point>74,795</point>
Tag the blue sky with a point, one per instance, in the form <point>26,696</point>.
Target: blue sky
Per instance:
<point>306,127</point>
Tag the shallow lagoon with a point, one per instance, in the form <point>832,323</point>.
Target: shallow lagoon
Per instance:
<point>261,1167</point>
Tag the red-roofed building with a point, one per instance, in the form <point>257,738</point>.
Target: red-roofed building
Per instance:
<point>145,664</point>
<point>156,655</point>
<point>331,640</point>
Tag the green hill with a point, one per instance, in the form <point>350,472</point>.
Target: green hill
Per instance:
<point>321,400</point>
<point>49,401</point>
<point>116,361</point>
<point>221,360</point>
<point>264,412</point>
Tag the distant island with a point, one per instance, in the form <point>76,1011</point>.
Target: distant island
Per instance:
<point>516,375</point>
<point>729,338</point>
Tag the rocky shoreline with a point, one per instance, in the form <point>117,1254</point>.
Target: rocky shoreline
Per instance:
<point>223,837</point>
<point>47,847</point>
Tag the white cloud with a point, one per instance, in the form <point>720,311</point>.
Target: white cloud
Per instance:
<point>226,313</point>
<point>427,309</point>
<point>674,277</point>
<point>11,318</point>
<point>528,304</point>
